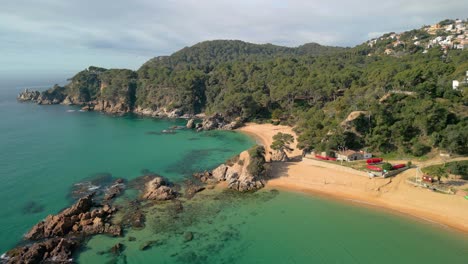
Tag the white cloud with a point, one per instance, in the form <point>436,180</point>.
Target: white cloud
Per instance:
<point>146,28</point>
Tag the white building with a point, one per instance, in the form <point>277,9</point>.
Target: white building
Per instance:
<point>455,84</point>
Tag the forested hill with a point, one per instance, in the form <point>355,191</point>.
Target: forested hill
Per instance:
<point>336,97</point>
<point>208,54</point>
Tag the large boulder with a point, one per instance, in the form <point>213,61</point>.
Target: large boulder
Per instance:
<point>158,189</point>
<point>190,124</point>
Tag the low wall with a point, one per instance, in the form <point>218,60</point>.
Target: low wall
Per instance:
<point>335,167</point>
<point>394,172</point>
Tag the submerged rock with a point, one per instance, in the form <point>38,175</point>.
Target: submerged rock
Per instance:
<point>102,185</point>
<point>193,189</point>
<point>32,207</point>
<point>188,236</point>
<point>114,190</point>
<point>117,249</point>
<point>148,244</point>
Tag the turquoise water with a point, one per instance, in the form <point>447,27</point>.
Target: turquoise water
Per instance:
<point>46,149</point>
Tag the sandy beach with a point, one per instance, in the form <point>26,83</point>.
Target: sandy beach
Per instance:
<point>316,177</point>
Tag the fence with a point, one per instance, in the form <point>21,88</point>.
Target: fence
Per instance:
<point>416,181</point>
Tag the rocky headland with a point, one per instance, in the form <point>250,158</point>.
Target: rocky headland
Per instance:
<point>199,122</point>
<point>245,172</point>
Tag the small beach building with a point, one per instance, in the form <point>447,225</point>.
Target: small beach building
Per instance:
<point>365,154</point>
<point>349,155</point>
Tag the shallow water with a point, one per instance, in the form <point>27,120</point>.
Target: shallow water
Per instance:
<point>45,150</point>
<point>279,227</point>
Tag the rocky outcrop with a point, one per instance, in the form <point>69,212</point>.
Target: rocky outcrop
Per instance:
<point>54,250</point>
<point>237,175</point>
<point>68,101</point>
<point>59,235</point>
<point>77,219</point>
<point>29,95</point>
<point>54,95</point>
<point>159,189</point>
<point>162,112</point>
<point>217,121</point>
<point>112,107</point>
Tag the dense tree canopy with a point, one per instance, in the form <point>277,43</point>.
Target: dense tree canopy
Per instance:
<point>409,103</point>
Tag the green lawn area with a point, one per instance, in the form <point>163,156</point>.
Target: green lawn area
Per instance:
<point>399,156</point>
<point>443,170</point>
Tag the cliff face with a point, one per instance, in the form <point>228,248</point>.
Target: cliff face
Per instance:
<point>111,91</point>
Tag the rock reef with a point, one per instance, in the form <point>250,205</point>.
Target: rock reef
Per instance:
<point>55,238</point>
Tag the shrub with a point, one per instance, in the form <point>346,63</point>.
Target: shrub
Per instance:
<point>459,168</point>
<point>257,160</point>
<point>420,149</point>
<point>387,166</point>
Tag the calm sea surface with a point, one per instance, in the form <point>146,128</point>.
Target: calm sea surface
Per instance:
<point>45,150</point>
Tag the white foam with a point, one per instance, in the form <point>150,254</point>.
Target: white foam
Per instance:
<point>94,187</point>
<point>71,111</point>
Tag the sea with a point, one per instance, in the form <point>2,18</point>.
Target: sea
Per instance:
<point>46,151</point>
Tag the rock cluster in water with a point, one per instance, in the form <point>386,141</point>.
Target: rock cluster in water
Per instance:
<point>29,95</point>
<point>59,235</point>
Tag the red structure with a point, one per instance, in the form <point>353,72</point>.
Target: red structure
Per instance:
<point>373,168</point>
<point>325,158</point>
<point>398,166</point>
<point>428,178</point>
<point>374,160</point>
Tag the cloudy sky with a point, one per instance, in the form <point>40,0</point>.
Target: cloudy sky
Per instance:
<point>43,37</point>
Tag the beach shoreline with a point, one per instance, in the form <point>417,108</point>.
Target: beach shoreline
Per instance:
<point>391,194</point>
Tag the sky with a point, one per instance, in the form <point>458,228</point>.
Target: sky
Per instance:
<point>61,37</point>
